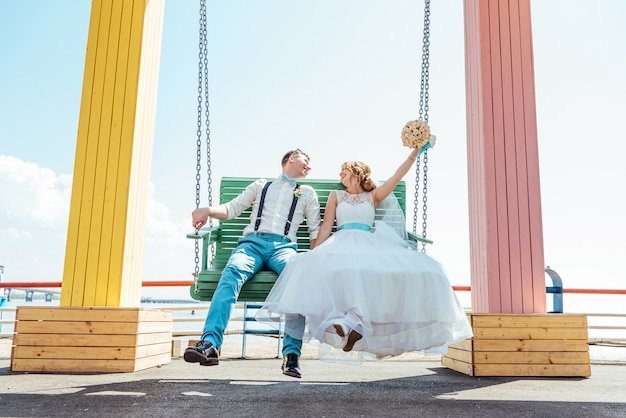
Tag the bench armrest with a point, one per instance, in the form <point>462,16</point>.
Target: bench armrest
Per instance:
<point>416,238</point>
<point>210,235</point>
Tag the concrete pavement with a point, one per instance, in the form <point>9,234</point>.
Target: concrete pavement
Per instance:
<point>409,386</point>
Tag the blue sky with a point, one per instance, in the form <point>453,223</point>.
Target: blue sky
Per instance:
<point>337,78</point>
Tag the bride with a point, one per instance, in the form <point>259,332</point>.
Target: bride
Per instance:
<point>364,291</point>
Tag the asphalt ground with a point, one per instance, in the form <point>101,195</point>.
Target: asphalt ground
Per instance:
<point>408,386</point>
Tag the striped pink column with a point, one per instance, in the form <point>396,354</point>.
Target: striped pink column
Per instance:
<point>506,234</point>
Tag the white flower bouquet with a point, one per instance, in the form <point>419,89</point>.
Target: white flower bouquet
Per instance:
<point>415,134</point>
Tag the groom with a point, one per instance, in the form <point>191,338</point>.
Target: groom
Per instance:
<point>278,207</point>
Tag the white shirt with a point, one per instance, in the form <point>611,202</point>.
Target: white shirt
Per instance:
<point>276,209</point>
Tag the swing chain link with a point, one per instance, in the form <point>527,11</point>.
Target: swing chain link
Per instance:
<point>424,85</point>
<point>206,115</point>
<point>425,199</point>
<point>202,85</point>
<point>416,194</point>
<point>423,115</point>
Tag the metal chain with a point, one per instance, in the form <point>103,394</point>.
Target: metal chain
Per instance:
<point>416,195</point>
<point>207,123</point>
<point>202,60</point>
<point>425,199</point>
<point>423,115</point>
<point>423,112</point>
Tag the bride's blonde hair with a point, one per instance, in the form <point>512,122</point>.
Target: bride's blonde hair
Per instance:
<point>361,172</point>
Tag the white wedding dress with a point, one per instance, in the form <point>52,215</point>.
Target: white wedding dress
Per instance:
<point>399,299</point>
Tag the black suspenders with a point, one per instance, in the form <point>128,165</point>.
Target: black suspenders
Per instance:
<point>294,202</point>
<point>261,203</point>
<point>292,210</point>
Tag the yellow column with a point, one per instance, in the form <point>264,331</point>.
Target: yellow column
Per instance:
<point>104,251</point>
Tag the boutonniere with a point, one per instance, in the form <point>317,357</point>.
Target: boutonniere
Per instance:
<point>297,192</point>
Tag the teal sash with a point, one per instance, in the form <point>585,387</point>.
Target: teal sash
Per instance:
<point>355,225</point>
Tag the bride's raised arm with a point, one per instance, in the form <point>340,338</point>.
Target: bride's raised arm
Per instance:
<point>381,192</point>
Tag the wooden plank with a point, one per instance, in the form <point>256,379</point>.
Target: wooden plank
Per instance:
<point>80,340</point>
<point>152,361</point>
<point>71,353</point>
<point>531,333</point>
<point>459,366</point>
<point>80,192</point>
<point>75,327</point>
<point>497,224</point>
<point>463,345</point>
<point>93,314</point>
<point>75,365</point>
<point>535,357</point>
<point>532,153</point>
<point>155,315</point>
<point>131,315</point>
<point>461,355</point>
<point>523,321</point>
<point>90,340</point>
<point>530,345</point>
<point>153,350</point>
<point>508,167</point>
<point>153,338</point>
<point>150,327</point>
<point>542,370</point>
<point>179,347</point>
<point>524,193</point>
<point>103,192</point>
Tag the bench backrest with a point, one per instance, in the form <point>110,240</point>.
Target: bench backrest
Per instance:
<point>232,230</point>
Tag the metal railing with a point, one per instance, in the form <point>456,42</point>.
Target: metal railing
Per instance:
<point>609,322</point>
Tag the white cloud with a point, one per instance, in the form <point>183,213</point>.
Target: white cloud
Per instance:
<point>35,197</point>
<point>34,217</point>
<point>14,233</point>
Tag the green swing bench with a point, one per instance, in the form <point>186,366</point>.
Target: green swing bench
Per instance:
<point>226,234</point>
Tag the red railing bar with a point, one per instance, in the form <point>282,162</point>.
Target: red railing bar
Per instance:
<point>46,285</point>
<point>173,283</point>
<point>167,283</point>
<point>597,291</point>
<point>43,285</point>
<point>565,290</point>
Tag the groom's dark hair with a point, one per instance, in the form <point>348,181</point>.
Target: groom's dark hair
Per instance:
<point>293,152</point>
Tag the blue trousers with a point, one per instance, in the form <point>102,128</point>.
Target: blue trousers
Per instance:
<point>253,252</point>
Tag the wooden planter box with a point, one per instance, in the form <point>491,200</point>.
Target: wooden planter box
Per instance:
<point>90,339</point>
<point>523,345</point>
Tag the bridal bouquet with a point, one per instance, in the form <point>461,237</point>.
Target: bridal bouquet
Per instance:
<point>415,134</point>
